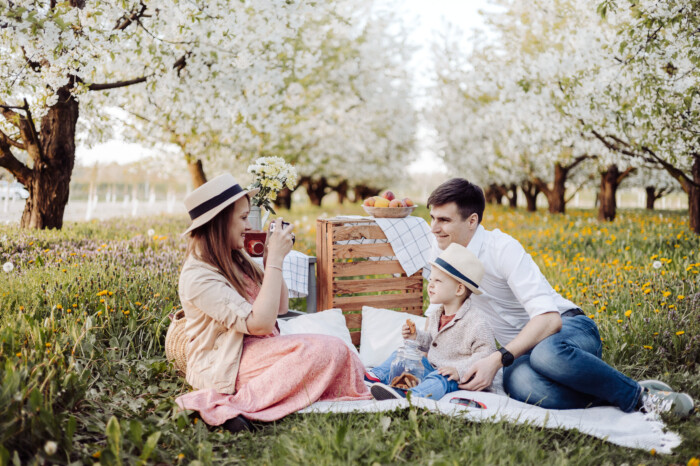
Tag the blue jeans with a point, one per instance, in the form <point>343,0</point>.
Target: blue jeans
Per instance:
<point>565,371</point>
<point>433,385</point>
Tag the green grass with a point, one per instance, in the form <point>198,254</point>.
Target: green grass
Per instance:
<point>83,317</point>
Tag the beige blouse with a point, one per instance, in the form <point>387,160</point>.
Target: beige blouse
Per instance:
<point>216,325</point>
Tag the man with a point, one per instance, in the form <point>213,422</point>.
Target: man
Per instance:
<point>550,351</point>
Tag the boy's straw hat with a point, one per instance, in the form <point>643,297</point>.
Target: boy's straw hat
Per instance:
<point>212,197</point>
<point>462,265</point>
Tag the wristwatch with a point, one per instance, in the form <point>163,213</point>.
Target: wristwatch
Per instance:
<point>506,357</point>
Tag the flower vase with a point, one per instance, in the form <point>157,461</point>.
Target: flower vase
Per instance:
<point>255,217</point>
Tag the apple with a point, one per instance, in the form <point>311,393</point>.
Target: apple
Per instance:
<point>408,202</point>
<point>369,202</point>
<point>389,196</point>
<point>395,203</point>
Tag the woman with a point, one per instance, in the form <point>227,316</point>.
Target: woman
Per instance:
<point>238,362</point>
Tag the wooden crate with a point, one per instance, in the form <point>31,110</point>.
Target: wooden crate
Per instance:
<point>342,271</point>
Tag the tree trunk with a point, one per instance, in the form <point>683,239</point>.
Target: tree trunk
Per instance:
<point>608,188</point>
<point>513,198</point>
<point>651,197</point>
<point>342,190</point>
<point>530,191</point>
<point>694,196</point>
<point>284,198</point>
<point>555,196</point>
<point>316,189</point>
<point>494,194</point>
<point>196,172</point>
<point>49,180</point>
<point>363,192</point>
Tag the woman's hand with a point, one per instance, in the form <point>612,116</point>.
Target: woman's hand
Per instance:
<point>278,244</point>
<point>406,333</point>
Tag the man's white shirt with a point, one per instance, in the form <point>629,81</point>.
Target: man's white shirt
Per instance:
<point>515,290</point>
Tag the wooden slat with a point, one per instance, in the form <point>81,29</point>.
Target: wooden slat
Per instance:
<point>324,265</point>
<point>353,320</point>
<point>353,269</point>
<point>349,251</point>
<point>403,300</point>
<point>377,284</point>
<point>344,233</point>
<point>355,337</point>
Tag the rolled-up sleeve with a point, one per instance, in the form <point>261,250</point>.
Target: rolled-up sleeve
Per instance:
<point>525,279</point>
<point>209,292</point>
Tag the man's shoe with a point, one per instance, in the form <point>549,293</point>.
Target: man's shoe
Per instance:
<point>662,401</point>
<point>655,385</point>
<point>381,391</point>
<point>370,377</point>
<point>237,424</point>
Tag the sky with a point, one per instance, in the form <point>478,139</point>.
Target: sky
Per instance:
<point>426,19</point>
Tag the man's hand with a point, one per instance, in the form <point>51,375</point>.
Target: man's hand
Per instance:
<point>481,374</point>
<point>449,372</point>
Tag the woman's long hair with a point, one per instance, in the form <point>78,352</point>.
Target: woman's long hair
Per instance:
<point>211,243</point>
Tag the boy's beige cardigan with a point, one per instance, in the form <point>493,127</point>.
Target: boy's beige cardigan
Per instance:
<point>463,341</point>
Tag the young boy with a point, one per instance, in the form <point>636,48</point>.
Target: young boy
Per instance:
<point>458,334</point>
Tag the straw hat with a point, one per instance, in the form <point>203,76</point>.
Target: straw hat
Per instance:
<point>462,265</point>
<point>212,197</point>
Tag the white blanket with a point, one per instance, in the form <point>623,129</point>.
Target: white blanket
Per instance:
<point>634,430</point>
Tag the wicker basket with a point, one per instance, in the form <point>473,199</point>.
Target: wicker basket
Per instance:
<point>389,212</point>
<point>176,342</point>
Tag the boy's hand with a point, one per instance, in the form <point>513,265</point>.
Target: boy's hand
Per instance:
<point>449,372</point>
<point>406,333</point>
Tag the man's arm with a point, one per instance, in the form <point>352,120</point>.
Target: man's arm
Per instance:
<point>484,370</point>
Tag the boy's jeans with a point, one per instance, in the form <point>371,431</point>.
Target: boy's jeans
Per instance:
<point>433,385</point>
<point>565,371</point>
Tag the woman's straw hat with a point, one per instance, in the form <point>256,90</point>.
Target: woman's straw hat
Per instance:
<point>212,197</point>
<point>462,265</point>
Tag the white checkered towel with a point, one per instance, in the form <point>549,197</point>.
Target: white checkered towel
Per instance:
<point>295,271</point>
<point>410,238</point>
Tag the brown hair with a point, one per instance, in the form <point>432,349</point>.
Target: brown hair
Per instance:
<point>210,243</point>
<point>468,197</point>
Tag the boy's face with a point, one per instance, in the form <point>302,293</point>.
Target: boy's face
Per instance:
<point>442,288</point>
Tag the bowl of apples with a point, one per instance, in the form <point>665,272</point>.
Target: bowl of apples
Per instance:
<point>388,206</point>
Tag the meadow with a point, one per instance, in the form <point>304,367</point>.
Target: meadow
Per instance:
<point>84,311</point>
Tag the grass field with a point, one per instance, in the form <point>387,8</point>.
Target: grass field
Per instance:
<point>83,316</point>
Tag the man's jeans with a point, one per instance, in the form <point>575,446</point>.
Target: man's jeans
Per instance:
<point>433,385</point>
<point>565,371</point>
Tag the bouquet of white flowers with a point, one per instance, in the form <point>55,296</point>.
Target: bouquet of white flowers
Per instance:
<point>272,174</point>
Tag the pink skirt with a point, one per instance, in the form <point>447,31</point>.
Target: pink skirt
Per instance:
<point>279,375</point>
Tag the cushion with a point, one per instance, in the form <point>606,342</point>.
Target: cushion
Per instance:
<point>330,322</point>
<point>381,333</point>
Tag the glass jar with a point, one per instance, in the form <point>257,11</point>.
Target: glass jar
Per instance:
<point>407,368</point>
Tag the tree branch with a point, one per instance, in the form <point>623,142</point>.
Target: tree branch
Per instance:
<point>8,140</point>
<point>105,86</point>
<point>577,161</point>
<point>539,183</point>
<point>125,21</point>
<point>624,174</point>
<point>11,116</point>
<point>12,164</point>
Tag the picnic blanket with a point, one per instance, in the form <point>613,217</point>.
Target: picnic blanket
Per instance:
<point>295,271</point>
<point>633,430</point>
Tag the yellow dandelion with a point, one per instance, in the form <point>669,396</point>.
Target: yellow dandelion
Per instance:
<point>99,313</point>
<point>58,306</point>
<point>181,456</point>
<point>75,305</point>
<point>102,300</point>
<point>647,291</point>
<point>97,454</point>
<point>619,321</point>
<point>694,461</point>
<point>19,355</point>
<point>681,297</point>
<point>680,332</point>
<point>648,347</point>
<point>628,312</point>
<point>48,345</point>
<point>21,308</point>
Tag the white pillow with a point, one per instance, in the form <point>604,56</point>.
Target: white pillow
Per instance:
<point>330,322</point>
<point>381,333</point>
